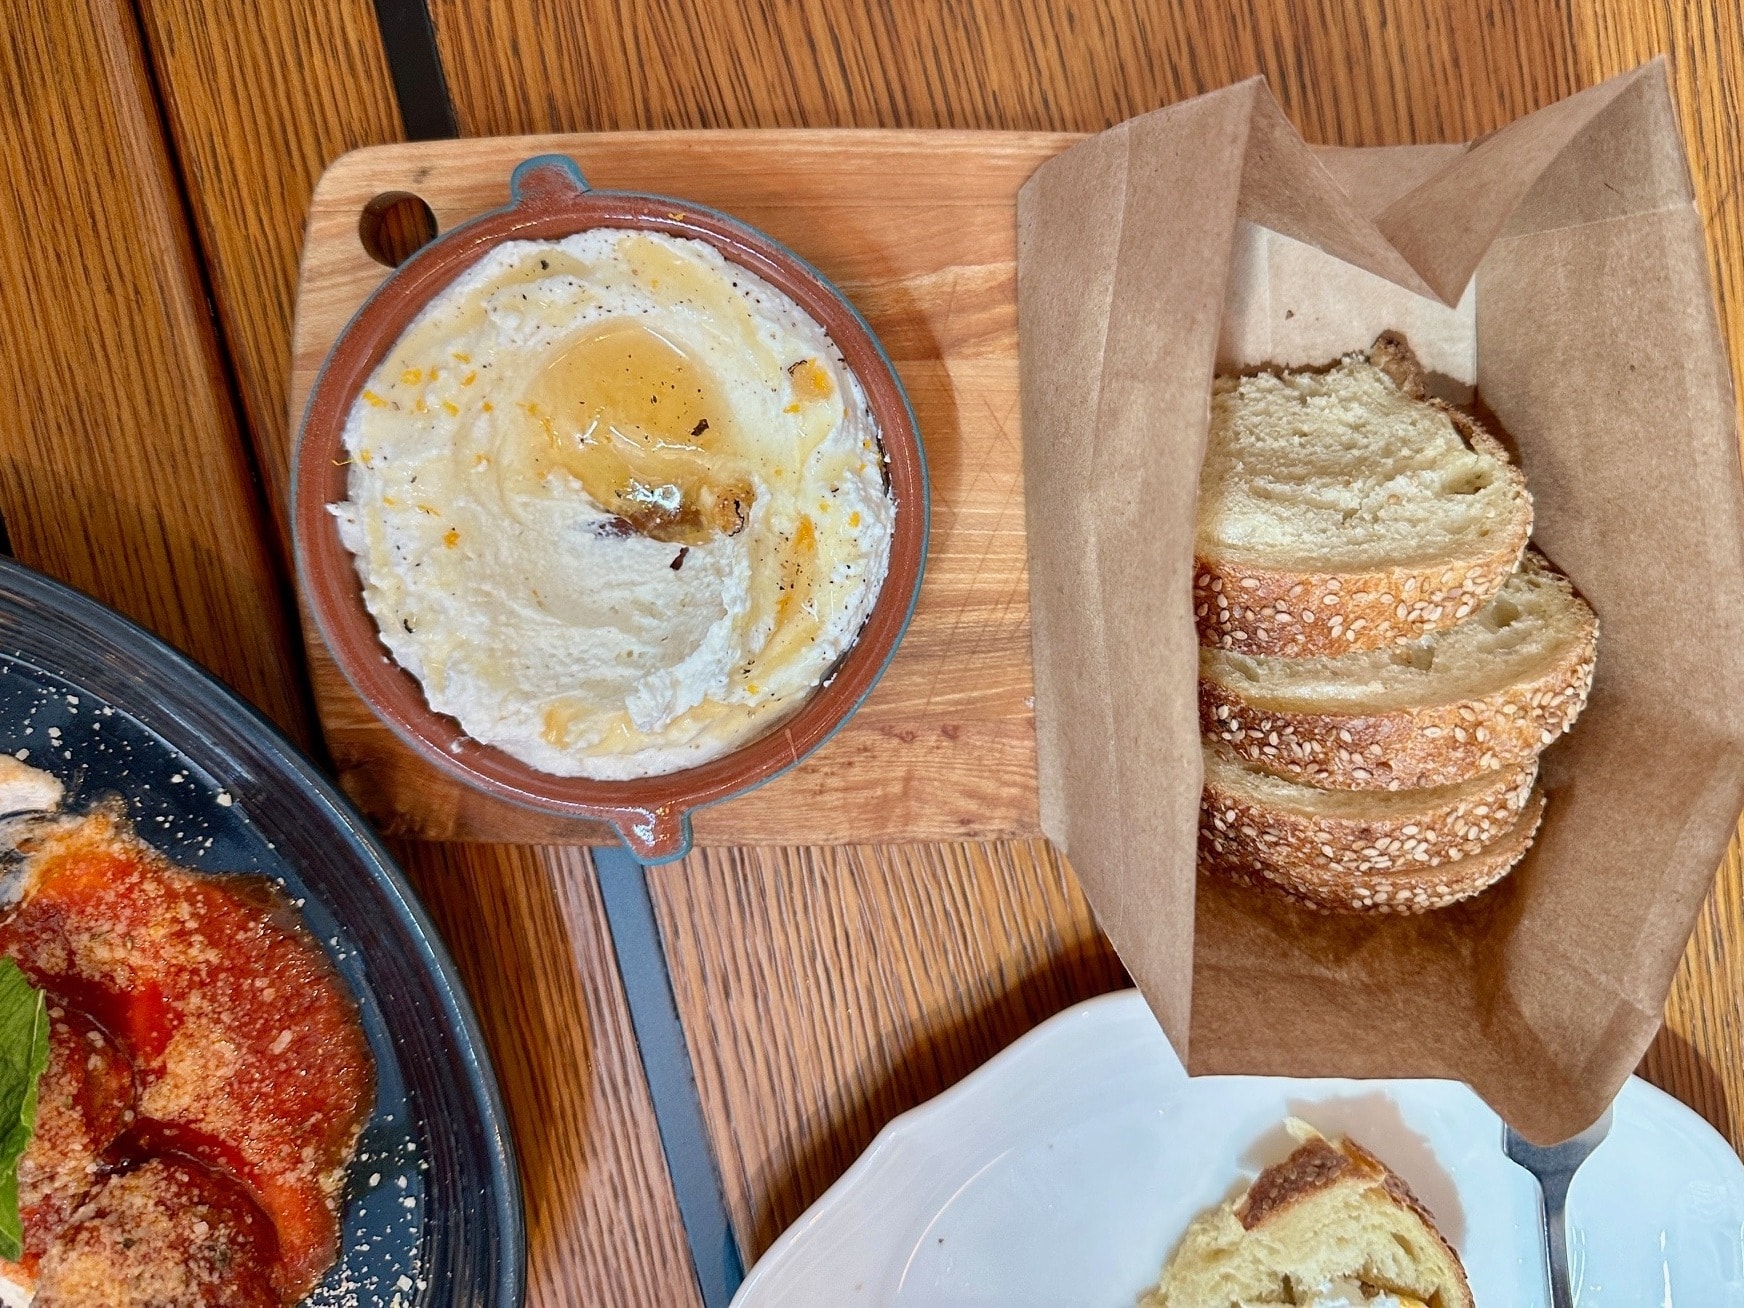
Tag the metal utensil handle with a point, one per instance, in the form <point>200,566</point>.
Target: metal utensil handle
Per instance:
<point>690,1159</point>
<point>1553,1205</point>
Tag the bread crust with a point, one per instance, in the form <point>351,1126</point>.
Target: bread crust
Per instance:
<point>1234,827</point>
<point>1319,1164</point>
<point>1418,888</point>
<point>1302,614</point>
<point>1314,1165</point>
<point>1427,745</point>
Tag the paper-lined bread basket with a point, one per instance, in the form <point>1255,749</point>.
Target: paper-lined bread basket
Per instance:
<point>1553,273</point>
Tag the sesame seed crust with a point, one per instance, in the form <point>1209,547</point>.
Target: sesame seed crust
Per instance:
<point>1237,827</point>
<point>1304,614</point>
<point>1412,890</point>
<point>1427,745</point>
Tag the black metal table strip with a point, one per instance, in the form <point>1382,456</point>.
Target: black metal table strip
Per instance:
<point>696,1181</point>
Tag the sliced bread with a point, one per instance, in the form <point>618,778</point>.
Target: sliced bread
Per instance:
<point>1493,691</point>
<point>1330,1225</point>
<point>1344,509</point>
<point>1266,821</point>
<point>1409,888</point>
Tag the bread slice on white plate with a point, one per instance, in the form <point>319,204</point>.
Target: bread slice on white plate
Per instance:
<point>1493,691</point>
<point>1249,816</point>
<point>1329,1227</point>
<point>1344,509</point>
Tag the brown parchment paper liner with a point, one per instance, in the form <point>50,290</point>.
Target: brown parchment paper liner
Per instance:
<point>1590,332</point>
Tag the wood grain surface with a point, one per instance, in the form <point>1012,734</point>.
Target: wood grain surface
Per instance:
<point>853,984</point>
<point>527,928</point>
<point>821,990</point>
<point>945,746</point>
<point>122,465</point>
<point>261,99</point>
<point>1348,72</point>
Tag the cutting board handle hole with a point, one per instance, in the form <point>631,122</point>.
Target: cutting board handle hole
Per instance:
<point>394,226</point>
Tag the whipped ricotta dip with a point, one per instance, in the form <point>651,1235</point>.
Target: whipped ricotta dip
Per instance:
<point>617,503</point>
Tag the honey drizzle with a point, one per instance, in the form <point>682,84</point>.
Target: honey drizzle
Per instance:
<point>633,418</point>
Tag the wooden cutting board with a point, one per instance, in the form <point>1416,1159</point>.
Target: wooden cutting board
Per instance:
<point>919,230</point>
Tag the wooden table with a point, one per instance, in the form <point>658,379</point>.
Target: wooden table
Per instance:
<point>158,158</point>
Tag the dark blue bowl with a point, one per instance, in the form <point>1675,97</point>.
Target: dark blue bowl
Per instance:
<point>433,1207</point>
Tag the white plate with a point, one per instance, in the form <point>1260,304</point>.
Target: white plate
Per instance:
<point>1064,1171</point>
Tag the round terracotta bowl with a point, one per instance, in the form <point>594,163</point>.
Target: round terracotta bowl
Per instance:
<point>550,200</point>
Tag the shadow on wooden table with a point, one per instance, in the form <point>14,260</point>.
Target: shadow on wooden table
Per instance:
<point>1677,1067</point>
<point>527,932</point>
<point>930,1064</point>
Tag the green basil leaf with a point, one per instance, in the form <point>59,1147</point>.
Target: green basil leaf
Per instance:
<point>23,1059</point>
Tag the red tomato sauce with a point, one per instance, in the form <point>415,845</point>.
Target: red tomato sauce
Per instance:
<point>169,1232</point>
<point>246,1052</point>
<point>84,1102</point>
